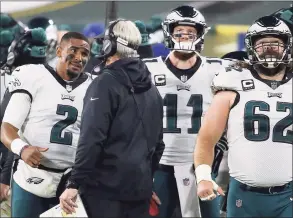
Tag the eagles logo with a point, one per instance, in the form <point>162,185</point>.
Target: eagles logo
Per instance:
<point>234,67</point>
<point>237,66</point>
<point>64,214</point>
<point>69,97</point>
<point>15,82</point>
<point>34,180</point>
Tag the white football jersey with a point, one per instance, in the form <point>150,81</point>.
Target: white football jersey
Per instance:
<point>260,126</point>
<point>54,118</point>
<point>185,104</point>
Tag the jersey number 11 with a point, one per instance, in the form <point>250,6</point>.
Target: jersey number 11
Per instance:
<point>170,101</point>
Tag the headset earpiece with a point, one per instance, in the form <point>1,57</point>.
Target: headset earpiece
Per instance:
<point>109,46</point>
<point>13,50</point>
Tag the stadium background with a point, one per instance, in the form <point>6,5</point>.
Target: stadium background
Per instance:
<point>228,19</point>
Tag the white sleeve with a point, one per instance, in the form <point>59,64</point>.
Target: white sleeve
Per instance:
<point>17,109</point>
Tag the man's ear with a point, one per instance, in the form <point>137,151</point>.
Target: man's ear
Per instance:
<point>59,52</point>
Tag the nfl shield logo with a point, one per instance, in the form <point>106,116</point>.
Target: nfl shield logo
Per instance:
<point>97,69</point>
<point>274,84</point>
<point>238,203</point>
<point>68,88</point>
<point>186,182</point>
<point>183,78</point>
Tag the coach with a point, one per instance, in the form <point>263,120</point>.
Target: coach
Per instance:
<point>121,139</point>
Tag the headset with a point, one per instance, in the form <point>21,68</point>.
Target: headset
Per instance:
<point>25,45</point>
<point>15,47</point>
<point>109,41</point>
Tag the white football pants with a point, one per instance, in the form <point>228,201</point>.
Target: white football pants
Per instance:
<point>187,190</point>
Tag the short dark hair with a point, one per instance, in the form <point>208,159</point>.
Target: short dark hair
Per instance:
<point>73,35</point>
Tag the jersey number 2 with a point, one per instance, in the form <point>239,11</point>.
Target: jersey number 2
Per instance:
<point>195,101</point>
<point>56,132</point>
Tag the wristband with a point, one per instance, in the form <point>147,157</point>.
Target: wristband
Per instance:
<point>26,146</point>
<point>203,172</point>
<point>17,146</point>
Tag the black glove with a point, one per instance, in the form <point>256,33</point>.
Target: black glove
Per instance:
<point>220,148</point>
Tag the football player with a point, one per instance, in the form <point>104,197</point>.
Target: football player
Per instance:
<point>31,40</point>
<point>44,133</point>
<point>236,59</point>
<point>183,79</point>
<point>255,105</point>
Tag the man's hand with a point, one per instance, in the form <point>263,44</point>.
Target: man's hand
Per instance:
<point>32,155</point>
<point>155,201</point>
<point>4,192</point>
<point>67,200</point>
<point>156,198</point>
<point>205,190</point>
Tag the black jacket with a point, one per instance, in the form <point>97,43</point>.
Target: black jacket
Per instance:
<point>5,166</point>
<point>93,66</point>
<point>121,140</point>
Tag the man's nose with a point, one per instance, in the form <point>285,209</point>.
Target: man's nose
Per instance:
<point>78,56</point>
<point>269,46</point>
<point>184,36</point>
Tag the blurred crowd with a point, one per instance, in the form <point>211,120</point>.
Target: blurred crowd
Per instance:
<point>152,37</point>
<point>11,29</point>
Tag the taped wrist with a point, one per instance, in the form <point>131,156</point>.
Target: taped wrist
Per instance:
<point>203,172</point>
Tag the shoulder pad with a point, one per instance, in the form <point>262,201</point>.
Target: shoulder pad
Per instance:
<point>32,69</point>
<point>213,60</point>
<point>228,62</point>
<point>155,65</point>
<point>230,79</point>
<point>150,60</point>
<point>26,79</point>
<point>214,65</point>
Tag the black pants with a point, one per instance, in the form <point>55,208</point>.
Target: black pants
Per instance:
<point>115,209</point>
